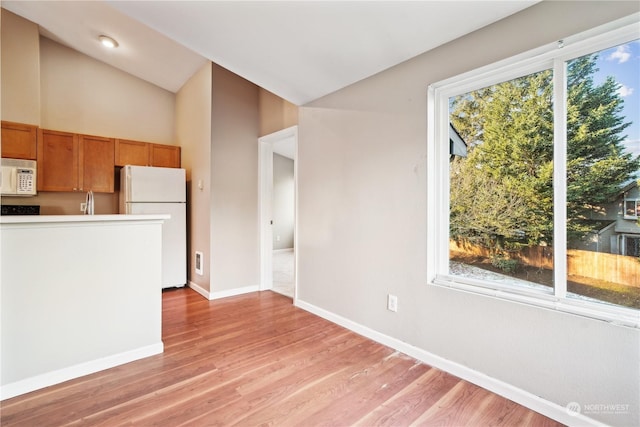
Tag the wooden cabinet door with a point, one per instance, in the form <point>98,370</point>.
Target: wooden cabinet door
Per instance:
<point>19,141</point>
<point>57,161</point>
<point>166,156</point>
<point>96,162</point>
<point>131,153</point>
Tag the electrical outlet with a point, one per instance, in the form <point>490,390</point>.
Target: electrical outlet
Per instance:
<point>83,207</point>
<point>392,303</point>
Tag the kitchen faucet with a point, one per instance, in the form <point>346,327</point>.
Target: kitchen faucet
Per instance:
<point>88,206</point>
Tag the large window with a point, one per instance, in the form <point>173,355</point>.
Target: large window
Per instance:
<point>531,201</point>
<point>501,189</point>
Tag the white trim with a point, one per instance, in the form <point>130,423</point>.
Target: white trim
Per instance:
<point>603,37</point>
<point>559,178</point>
<point>551,56</point>
<point>65,374</point>
<point>223,294</point>
<point>620,316</point>
<point>518,395</point>
<point>265,197</point>
<point>432,210</point>
<point>202,291</point>
<point>265,185</point>
<point>233,292</point>
<point>296,246</point>
<point>534,60</point>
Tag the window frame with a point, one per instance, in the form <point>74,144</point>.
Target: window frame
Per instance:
<point>554,57</point>
<point>625,240</point>
<point>636,208</point>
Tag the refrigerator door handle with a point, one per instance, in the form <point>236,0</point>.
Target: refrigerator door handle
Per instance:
<point>127,184</point>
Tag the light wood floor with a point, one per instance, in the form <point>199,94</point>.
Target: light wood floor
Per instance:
<point>257,360</point>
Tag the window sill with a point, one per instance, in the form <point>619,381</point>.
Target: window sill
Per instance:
<point>545,299</point>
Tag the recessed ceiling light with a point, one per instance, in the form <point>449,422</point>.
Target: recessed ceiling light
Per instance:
<point>108,41</point>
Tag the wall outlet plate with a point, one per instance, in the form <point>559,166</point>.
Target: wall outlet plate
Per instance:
<point>392,303</point>
<point>199,263</point>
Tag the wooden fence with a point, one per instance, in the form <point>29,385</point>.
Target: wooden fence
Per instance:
<point>621,269</point>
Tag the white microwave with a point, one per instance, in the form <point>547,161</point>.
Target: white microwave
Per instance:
<point>18,177</point>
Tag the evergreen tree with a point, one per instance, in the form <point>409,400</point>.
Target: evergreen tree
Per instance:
<point>597,166</point>
<point>509,131</point>
<point>488,214</point>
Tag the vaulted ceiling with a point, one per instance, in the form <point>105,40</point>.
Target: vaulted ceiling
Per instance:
<point>299,50</point>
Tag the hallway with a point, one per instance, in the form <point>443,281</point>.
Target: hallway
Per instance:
<point>283,274</point>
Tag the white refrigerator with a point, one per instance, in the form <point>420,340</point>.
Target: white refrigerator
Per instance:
<point>152,190</point>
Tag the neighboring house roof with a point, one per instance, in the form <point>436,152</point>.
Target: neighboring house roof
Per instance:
<point>457,146</point>
<point>622,193</point>
<point>624,190</point>
<point>599,225</point>
<point>628,187</point>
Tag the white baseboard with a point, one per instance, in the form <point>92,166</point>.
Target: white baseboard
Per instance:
<point>198,289</point>
<point>65,374</point>
<point>223,294</point>
<point>518,395</point>
<point>233,292</point>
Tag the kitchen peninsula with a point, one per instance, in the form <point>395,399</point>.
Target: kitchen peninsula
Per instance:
<point>79,293</point>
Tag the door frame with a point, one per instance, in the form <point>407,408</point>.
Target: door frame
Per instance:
<point>265,176</point>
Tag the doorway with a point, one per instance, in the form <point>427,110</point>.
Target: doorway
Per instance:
<point>278,211</point>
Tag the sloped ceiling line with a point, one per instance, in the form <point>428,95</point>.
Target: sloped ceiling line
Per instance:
<point>298,50</point>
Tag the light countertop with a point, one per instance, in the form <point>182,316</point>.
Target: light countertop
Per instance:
<point>40,219</point>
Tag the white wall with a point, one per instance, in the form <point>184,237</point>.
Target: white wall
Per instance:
<point>362,231</point>
<point>283,202</point>
<point>193,134</point>
<point>78,296</point>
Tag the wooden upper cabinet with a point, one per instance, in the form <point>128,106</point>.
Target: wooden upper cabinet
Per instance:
<point>131,153</point>
<point>19,140</point>
<point>71,162</point>
<point>58,157</point>
<point>96,163</point>
<point>146,154</point>
<point>166,156</point>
